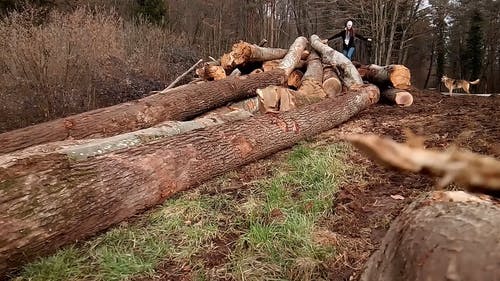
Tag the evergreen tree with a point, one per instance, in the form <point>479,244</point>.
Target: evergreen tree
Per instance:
<point>152,10</point>
<point>475,45</point>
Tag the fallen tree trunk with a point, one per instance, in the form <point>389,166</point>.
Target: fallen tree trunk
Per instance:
<point>51,199</point>
<point>397,96</point>
<point>82,149</point>
<point>395,75</point>
<point>351,75</point>
<point>444,236</point>
<point>180,103</point>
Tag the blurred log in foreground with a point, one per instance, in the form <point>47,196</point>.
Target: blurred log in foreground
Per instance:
<point>449,235</point>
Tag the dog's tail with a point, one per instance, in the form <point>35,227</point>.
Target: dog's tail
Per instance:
<point>475,82</point>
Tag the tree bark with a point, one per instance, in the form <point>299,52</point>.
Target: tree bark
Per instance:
<point>397,96</point>
<point>180,103</point>
<point>250,105</point>
<point>444,236</point>
<point>395,75</point>
<point>50,199</point>
<point>351,75</point>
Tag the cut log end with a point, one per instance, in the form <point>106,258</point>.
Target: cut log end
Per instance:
<point>400,77</point>
<point>398,97</point>
<point>404,99</point>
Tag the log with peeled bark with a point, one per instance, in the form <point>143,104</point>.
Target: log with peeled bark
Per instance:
<point>442,236</point>
<point>331,82</point>
<point>395,75</point>
<point>351,75</point>
<point>397,96</point>
<point>243,52</point>
<point>50,199</point>
<point>181,103</point>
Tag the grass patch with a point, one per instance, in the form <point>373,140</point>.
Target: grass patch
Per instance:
<point>272,230</point>
<point>279,243</point>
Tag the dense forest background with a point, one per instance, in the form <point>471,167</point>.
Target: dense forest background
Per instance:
<point>90,53</point>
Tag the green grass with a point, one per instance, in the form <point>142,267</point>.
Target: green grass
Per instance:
<point>275,222</point>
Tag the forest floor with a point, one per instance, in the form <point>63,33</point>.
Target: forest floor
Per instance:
<point>314,212</point>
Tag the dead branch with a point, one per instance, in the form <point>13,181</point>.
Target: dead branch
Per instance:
<point>477,173</point>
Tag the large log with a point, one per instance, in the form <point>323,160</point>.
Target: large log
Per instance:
<point>50,199</point>
<point>397,96</point>
<point>351,75</point>
<point>395,75</point>
<point>181,103</point>
<point>444,236</point>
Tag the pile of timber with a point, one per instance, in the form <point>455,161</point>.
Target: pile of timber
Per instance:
<point>70,178</point>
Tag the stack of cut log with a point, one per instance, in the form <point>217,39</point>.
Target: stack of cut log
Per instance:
<point>67,179</point>
<point>321,72</point>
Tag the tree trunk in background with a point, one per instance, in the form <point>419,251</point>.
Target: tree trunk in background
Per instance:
<point>179,103</point>
<point>393,31</point>
<point>429,71</point>
<point>445,236</point>
<point>51,199</point>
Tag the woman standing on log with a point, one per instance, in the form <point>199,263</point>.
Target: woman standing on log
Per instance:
<point>348,35</point>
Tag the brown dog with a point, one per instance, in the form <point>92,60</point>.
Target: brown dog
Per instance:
<point>452,84</point>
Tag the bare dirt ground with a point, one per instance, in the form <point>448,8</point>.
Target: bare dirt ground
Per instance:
<point>364,208</point>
